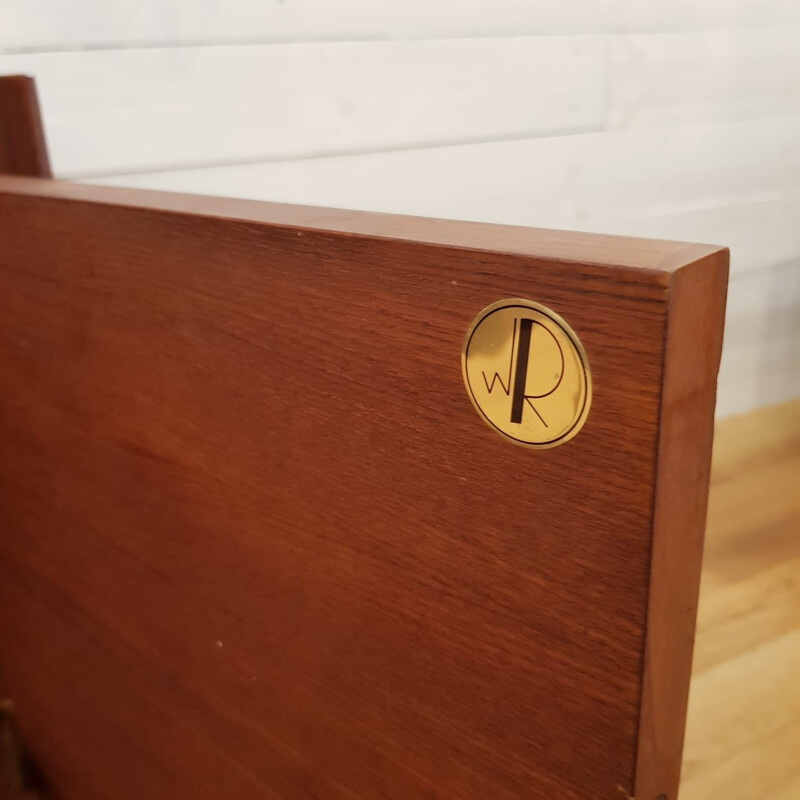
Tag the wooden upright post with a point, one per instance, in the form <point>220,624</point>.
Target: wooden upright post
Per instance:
<point>23,149</point>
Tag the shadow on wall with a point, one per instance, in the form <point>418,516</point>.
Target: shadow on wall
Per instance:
<point>779,369</point>
<point>761,353</point>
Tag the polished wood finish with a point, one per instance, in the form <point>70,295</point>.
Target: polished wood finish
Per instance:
<point>22,144</point>
<point>693,348</point>
<point>743,732</point>
<point>257,543</point>
<point>252,514</point>
<point>19,779</point>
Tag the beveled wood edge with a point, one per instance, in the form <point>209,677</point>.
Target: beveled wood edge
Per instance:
<point>696,300</point>
<point>23,148</point>
<point>660,257</point>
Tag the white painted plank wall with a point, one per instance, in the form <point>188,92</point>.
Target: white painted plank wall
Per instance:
<point>671,119</point>
<point>78,24</point>
<point>115,111</point>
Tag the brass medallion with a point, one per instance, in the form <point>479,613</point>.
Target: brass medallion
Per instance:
<point>527,374</point>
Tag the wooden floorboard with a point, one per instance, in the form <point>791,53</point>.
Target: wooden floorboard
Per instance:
<point>743,734</point>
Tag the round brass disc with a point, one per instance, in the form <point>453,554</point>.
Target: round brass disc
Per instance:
<point>527,373</point>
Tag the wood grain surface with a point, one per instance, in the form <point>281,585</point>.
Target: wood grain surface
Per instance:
<point>257,543</point>
<point>693,345</point>
<point>23,150</point>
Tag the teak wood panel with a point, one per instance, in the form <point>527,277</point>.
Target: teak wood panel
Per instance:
<point>22,144</point>
<point>257,543</point>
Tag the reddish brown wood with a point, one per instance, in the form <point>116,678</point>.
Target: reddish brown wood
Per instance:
<point>693,347</point>
<point>23,150</point>
<point>257,543</point>
<point>18,780</point>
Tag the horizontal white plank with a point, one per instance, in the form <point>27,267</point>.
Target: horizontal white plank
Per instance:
<point>671,16</point>
<point>65,24</point>
<point>764,304</point>
<point>135,110</point>
<point>758,374</point>
<point>761,352</point>
<point>131,110</point>
<point>759,233</point>
<point>736,184</point>
<point>692,78</point>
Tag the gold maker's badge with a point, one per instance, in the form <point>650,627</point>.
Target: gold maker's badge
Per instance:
<point>527,374</point>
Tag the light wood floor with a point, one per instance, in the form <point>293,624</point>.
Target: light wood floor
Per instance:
<point>743,734</point>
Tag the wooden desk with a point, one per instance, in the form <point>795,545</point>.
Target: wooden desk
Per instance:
<point>743,734</point>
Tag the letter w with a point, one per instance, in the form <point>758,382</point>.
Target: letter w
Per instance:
<point>506,385</point>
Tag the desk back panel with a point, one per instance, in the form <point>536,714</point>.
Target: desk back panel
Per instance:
<point>256,541</point>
